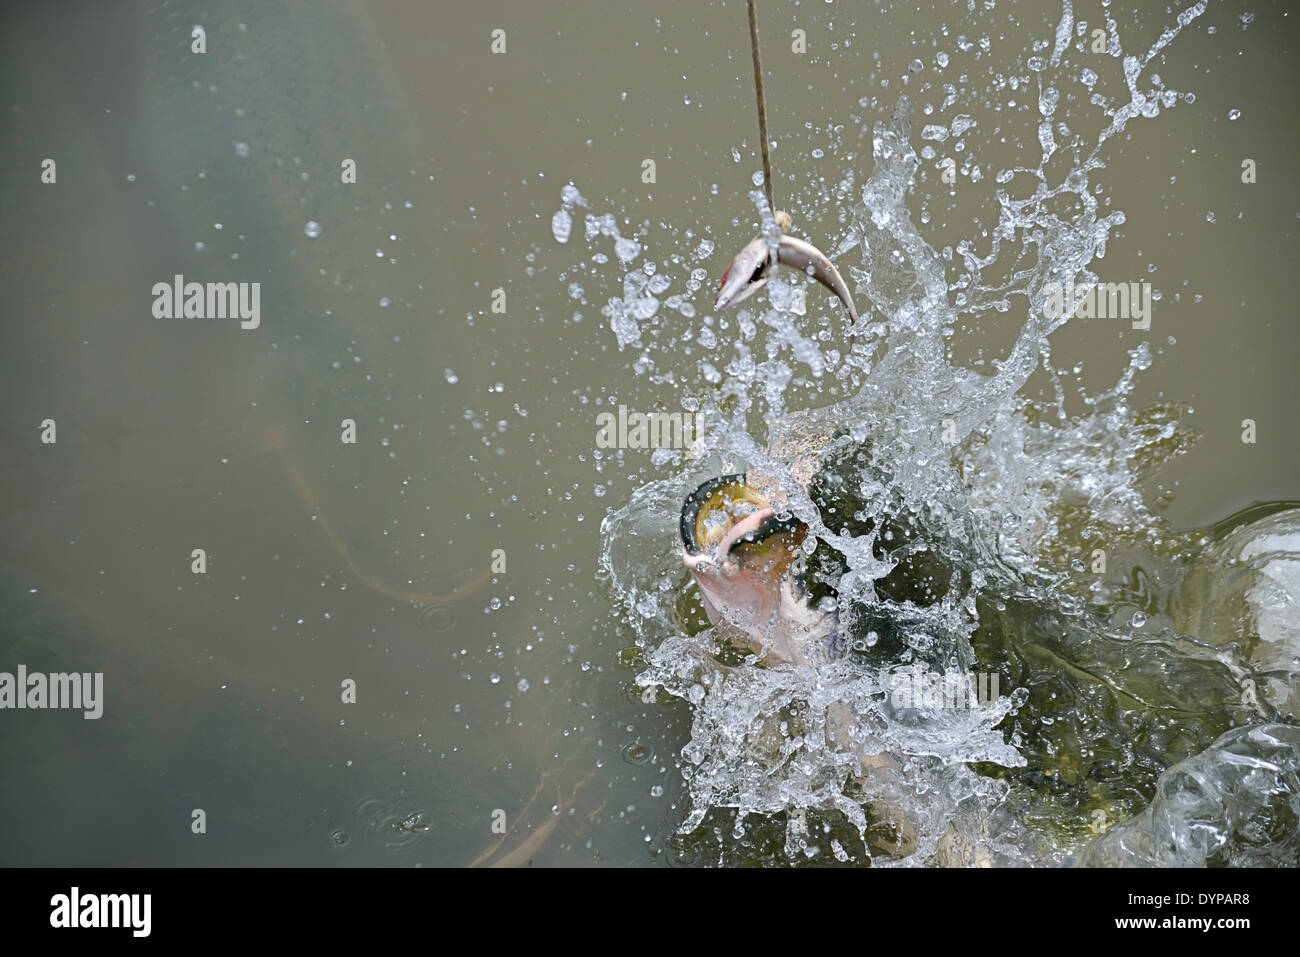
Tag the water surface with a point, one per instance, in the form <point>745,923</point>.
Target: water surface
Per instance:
<point>515,691</point>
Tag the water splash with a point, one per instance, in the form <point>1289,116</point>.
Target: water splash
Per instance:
<point>1001,496</point>
<point>1236,804</point>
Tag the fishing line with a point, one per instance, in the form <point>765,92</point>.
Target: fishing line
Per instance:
<point>749,269</point>
<point>762,104</point>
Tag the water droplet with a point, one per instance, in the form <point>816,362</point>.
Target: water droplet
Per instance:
<point>626,249</point>
<point>962,123</point>
<point>561,226</point>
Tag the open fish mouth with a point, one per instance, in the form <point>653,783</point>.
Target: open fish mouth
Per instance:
<point>724,519</point>
<point>747,560</point>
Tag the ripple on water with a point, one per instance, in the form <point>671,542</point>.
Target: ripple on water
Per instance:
<point>396,802</point>
<point>437,616</point>
<point>637,753</point>
<point>391,822</point>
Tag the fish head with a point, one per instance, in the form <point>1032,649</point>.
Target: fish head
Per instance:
<point>745,558</point>
<point>746,274</point>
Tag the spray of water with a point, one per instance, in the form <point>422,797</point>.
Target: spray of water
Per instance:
<point>999,490</point>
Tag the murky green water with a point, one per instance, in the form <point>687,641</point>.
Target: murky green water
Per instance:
<point>481,693</point>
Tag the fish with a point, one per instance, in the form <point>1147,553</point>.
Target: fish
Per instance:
<point>748,562</point>
<point>748,272</point>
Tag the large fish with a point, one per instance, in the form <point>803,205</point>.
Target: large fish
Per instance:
<point>748,563</point>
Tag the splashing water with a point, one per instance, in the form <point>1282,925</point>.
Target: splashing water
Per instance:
<point>1101,695</point>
